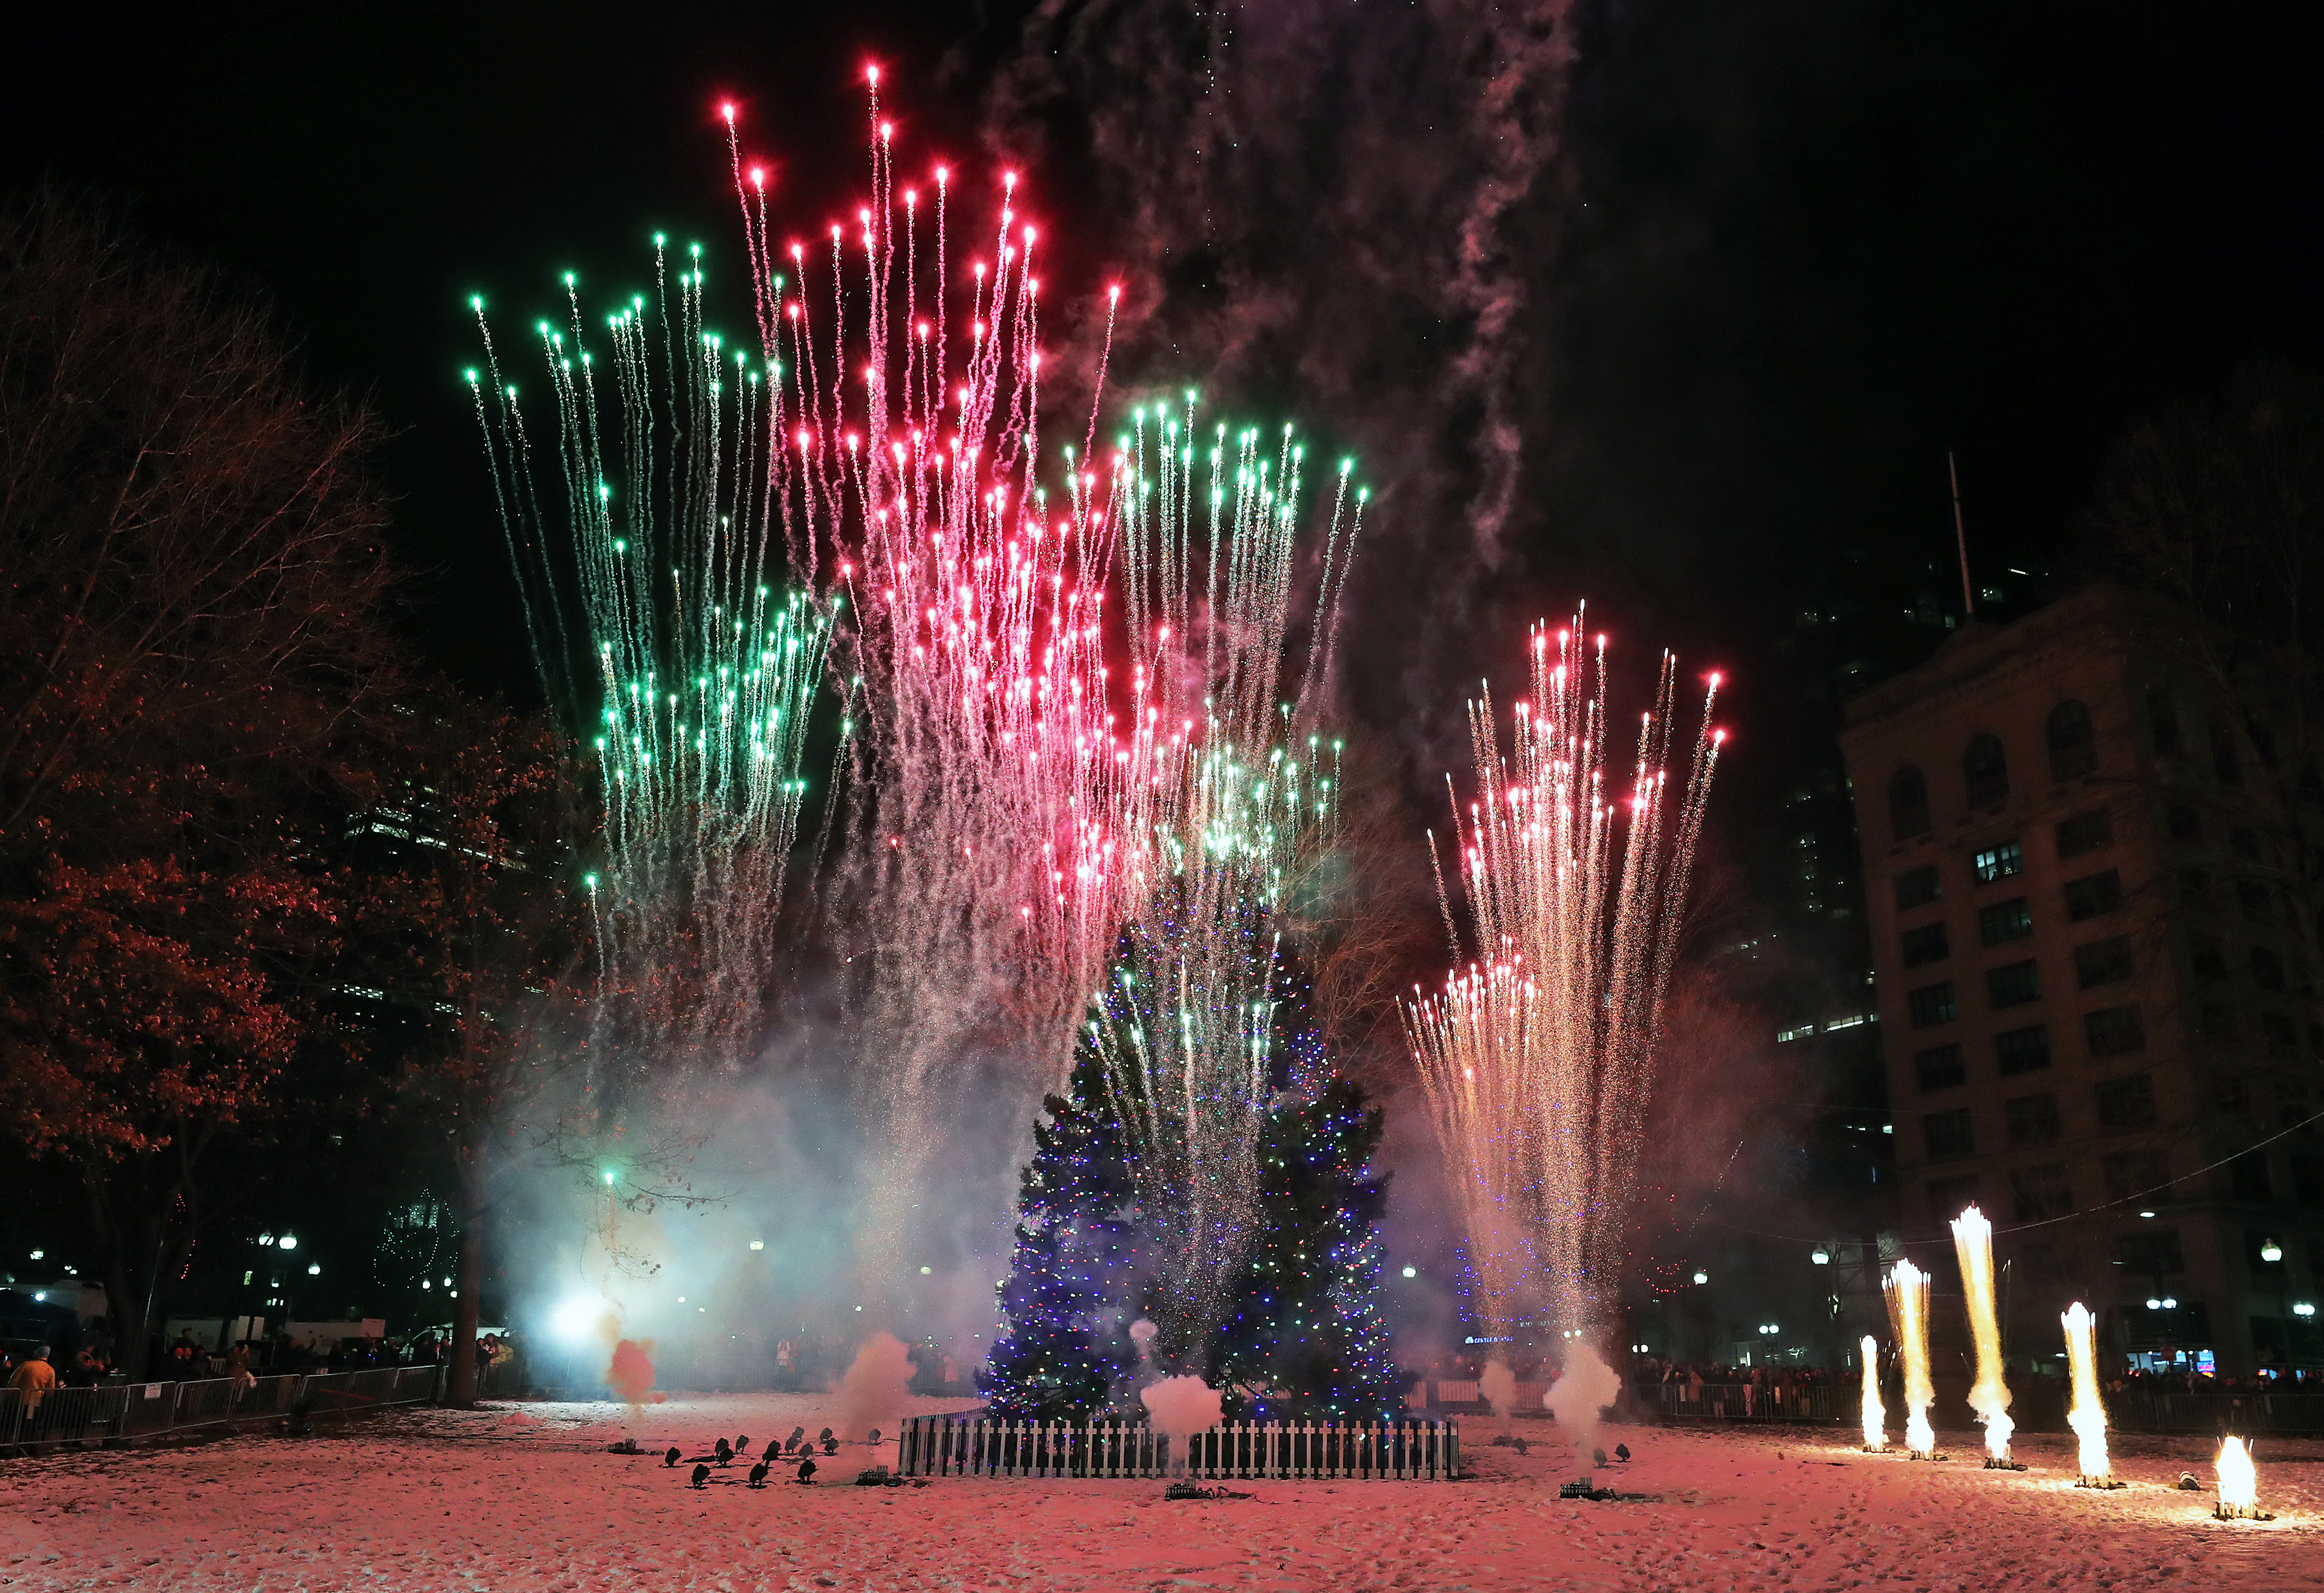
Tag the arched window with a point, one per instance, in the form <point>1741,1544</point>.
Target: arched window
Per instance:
<point>2225,762</point>
<point>1985,770</point>
<point>1908,804</point>
<point>2164,718</point>
<point>2073,748</point>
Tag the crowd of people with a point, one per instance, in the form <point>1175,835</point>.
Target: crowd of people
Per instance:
<point>1690,1376</point>
<point>82,1369</point>
<point>2188,1378</point>
<point>185,1359</point>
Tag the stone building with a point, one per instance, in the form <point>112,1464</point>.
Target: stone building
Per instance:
<point>2095,986</point>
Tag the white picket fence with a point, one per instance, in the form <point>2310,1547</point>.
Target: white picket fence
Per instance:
<point>952,1446</point>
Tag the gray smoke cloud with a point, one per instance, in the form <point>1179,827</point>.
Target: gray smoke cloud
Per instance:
<point>1340,211</point>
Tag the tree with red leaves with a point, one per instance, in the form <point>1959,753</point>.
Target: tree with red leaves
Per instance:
<point>193,675</point>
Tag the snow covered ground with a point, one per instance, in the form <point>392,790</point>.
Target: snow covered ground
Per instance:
<point>523,1497</point>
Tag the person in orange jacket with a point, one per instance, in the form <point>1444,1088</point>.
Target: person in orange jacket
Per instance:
<point>34,1378</point>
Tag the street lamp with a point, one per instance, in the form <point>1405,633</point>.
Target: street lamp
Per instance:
<point>2270,1251</point>
<point>1701,1277</point>
<point>1819,1255</point>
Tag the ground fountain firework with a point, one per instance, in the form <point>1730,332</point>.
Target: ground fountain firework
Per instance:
<point>1874,1419</point>
<point>1538,1056</point>
<point>1906,1287</point>
<point>2088,1416</point>
<point>1988,1396</point>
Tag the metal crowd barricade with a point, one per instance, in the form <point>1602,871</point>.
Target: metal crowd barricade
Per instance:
<point>119,1411</point>
<point>327,1393</point>
<point>60,1416</point>
<point>1444,1393</point>
<point>2242,1411</point>
<point>1743,1401</point>
<point>951,1446</point>
<point>210,1401</point>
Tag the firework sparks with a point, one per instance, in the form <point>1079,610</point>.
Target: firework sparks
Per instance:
<point>1242,802</point>
<point>1907,1288</point>
<point>676,650</point>
<point>1988,1396</point>
<point>2088,1417</point>
<point>1538,1059</point>
<point>987,859</point>
<point>1015,798</point>
<point>2238,1495</point>
<point>1875,1419</point>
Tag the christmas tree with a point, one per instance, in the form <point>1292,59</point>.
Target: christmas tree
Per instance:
<point>1306,1340</point>
<point>1293,1327</point>
<point>1067,1342</point>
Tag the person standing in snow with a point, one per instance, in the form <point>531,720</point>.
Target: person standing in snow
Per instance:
<point>34,1378</point>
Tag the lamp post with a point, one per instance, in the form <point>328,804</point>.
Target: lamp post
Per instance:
<point>2271,1256</point>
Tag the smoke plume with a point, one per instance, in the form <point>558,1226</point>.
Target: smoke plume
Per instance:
<point>1178,1408</point>
<point>872,1392</point>
<point>1579,1397</point>
<point>630,1374</point>
<point>1348,204</point>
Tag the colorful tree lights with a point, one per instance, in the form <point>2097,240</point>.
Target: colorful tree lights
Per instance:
<point>1067,1347</point>
<point>1105,1235</point>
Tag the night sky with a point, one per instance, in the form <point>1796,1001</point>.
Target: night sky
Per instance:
<point>1754,267</point>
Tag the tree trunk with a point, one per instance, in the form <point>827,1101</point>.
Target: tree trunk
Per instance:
<point>122,1308</point>
<point>462,1392</point>
<point>129,1286</point>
